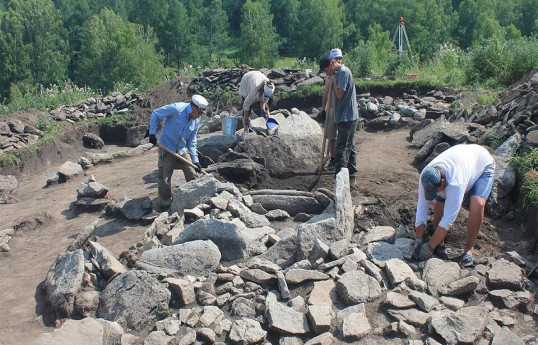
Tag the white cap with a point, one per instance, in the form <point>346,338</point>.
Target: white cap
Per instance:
<point>267,92</point>
<point>199,101</point>
<point>336,53</point>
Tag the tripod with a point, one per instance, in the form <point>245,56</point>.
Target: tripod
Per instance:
<point>402,34</point>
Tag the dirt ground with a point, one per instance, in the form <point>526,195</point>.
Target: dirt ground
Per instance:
<point>47,222</point>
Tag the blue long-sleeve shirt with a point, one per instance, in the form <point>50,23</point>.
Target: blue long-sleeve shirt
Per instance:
<point>178,133</point>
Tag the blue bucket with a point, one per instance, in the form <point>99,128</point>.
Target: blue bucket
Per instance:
<point>229,125</point>
<point>272,124</point>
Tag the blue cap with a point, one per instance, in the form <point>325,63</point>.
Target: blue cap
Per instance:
<point>430,179</point>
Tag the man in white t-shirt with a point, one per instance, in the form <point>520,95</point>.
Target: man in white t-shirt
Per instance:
<point>459,171</point>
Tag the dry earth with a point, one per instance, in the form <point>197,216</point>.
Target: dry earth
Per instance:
<point>47,222</point>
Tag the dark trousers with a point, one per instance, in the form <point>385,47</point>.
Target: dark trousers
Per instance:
<point>167,164</point>
<point>345,147</point>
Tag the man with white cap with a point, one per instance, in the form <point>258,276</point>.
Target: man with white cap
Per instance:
<point>181,124</point>
<point>462,170</point>
<point>255,87</point>
<point>346,115</point>
<point>329,93</point>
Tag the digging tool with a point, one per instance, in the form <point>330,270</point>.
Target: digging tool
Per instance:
<point>328,109</point>
<point>179,157</point>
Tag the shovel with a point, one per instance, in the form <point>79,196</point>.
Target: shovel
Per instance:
<point>179,157</point>
<point>328,108</point>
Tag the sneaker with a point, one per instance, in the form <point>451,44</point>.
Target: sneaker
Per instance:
<point>331,166</point>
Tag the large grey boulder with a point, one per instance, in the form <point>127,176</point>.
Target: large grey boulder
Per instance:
<point>249,218</point>
<point>438,274</point>
<point>357,287</point>
<point>63,282</point>
<point>322,227</point>
<point>135,209</point>
<point>380,252</point>
<point>283,319</point>
<point>215,146</point>
<point>232,241</point>
<point>69,170</point>
<point>298,143</point>
<point>247,331</point>
<point>293,204</point>
<point>461,327</point>
<point>303,135</point>
<point>193,193</point>
<point>135,297</point>
<point>284,250</point>
<point>273,150</point>
<point>194,258</point>
<point>505,336</point>
<point>505,177</point>
<point>108,264</point>
<point>456,132</point>
<point>378,233</point>
<point>509,148</point>
<point>343,205</point>
<point>135,135</point>
<point>92,140</point>
<point>504,274</point>
<point>88,331</point>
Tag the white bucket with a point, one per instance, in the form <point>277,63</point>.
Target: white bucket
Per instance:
<point>229,125</point>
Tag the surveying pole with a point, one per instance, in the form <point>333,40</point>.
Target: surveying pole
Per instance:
<point>402,34</point>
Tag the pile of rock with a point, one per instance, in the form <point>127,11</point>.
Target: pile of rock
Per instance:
<point>96,108</point>
<point>216,271</point>
<point>16,135</point>
<point>285,79</point>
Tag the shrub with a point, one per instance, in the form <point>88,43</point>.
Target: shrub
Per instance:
<point>502,61</point>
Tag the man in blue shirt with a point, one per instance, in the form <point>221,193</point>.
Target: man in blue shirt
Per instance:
<point>346,114</point>
<point>181,123</point>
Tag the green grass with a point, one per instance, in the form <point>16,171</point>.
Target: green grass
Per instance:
<point>526,160</point>
<point>116,119</point>
<point>48,98</point>
<point>530,188</point>
<point>526,165</point>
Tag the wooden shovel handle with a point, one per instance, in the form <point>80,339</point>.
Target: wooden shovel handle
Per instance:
<point>179,157</point>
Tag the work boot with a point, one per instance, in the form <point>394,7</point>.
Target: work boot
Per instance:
<point>331,166</point>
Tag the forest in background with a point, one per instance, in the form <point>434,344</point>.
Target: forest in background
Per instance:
<point>103,44</point>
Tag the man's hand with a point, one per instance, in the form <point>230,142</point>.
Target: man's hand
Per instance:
<point>153,139</point>
<point>198,168</point>
<point>416,247</point>
<point>426,252</point>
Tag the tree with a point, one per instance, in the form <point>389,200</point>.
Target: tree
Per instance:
<point>468,13</point>
<point>14,52</point>
<point>259,40</point>
<point>45,37</point>
<point>319,27</point>
<point>114,51</point>
<point>233,10</point>
<point>285,20</point>
<point>485,29</point>
<point>528,11</point>
<point>215,34</point>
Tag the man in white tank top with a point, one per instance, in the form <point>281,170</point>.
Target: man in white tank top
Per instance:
<point>462,170</point>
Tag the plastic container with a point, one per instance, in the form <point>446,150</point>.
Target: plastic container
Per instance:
<point>229,125</point>
<point>272,124</point>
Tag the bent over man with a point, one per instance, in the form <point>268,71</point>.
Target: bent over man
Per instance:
<point>255,87</point>
<point>462,170</point>
<point>181,123</point>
